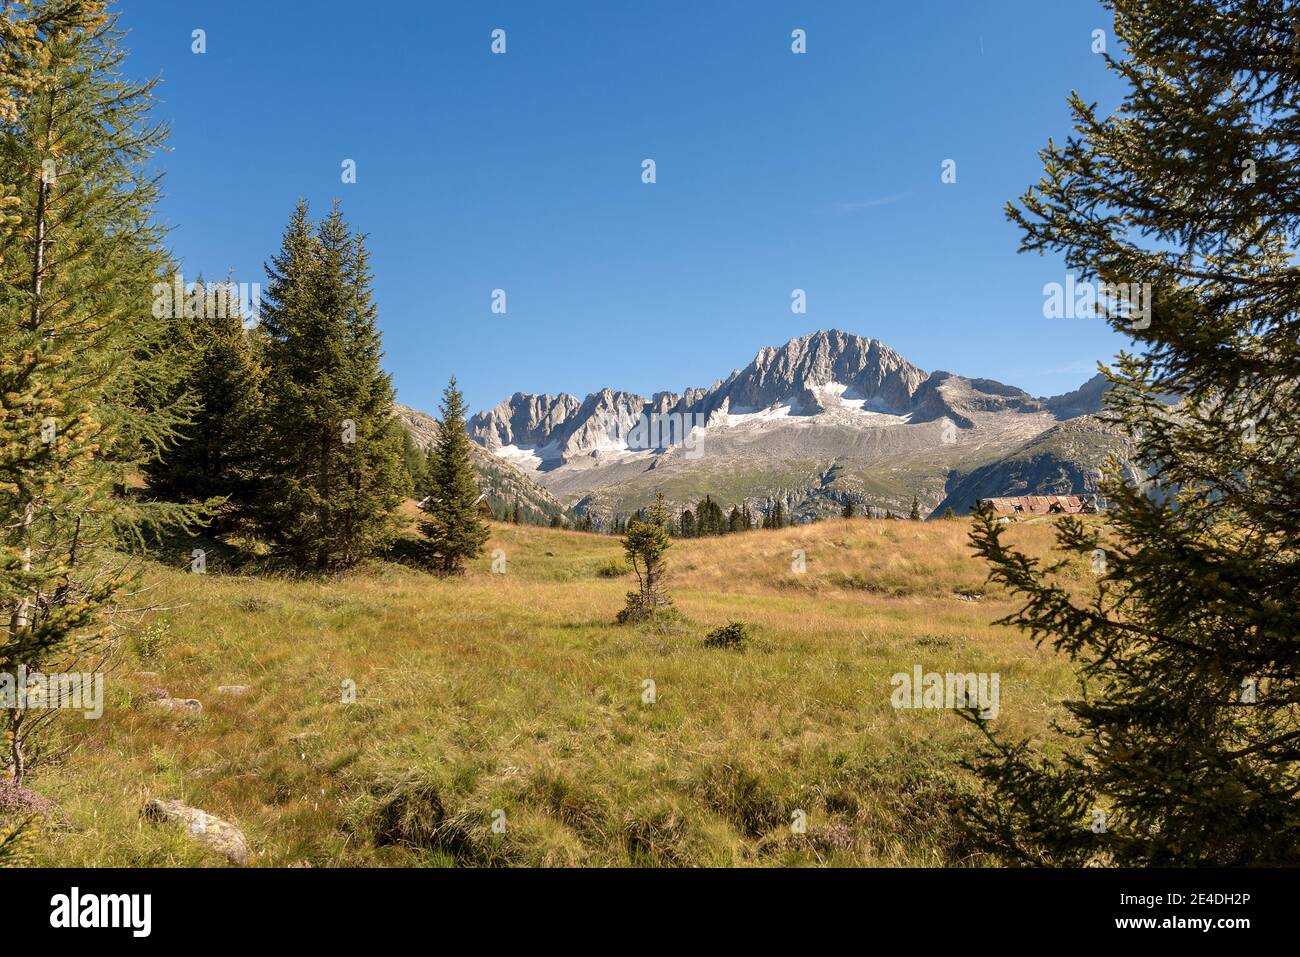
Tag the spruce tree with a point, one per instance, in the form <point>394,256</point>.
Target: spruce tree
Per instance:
<point>330,451</point>
<point>214,456</point>
<point>414,462</point>
<point>688,524</point>
<point>916,510</point>
<point>848,508</point>
<point>84,360</point>
<point>735,521</point>
<point>1182,743</point>
<point>708,517</point>
<point>453,530</point>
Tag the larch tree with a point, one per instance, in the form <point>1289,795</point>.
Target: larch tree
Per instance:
<point>1183,744</point>
<point>84,360</point>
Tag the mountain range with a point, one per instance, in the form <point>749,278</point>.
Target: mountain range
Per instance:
<point>826,418</point>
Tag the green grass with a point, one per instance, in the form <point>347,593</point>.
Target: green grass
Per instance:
<point>516,693</point>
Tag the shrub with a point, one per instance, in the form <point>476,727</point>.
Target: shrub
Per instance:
<point>731,635</point>
<point>150,641</point>
<point>636,613</point>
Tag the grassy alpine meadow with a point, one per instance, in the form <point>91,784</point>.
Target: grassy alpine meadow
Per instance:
<point>389,717</point>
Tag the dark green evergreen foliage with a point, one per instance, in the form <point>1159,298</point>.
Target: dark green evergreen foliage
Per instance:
<point>735,522</point>
<point>452,526</point>
<point>415,462</point>
<point>731,635</point>
<point>331,451</point>
<point>949,513</point>
<point>645,544</point>
<point>709,519</point>
<point>516,514</point>
<point>916,510</point>
<point>557,522</point>
<point>688,524</point>
<point>214,454</point>
<point>848,508</point>
<point>1182,743</point>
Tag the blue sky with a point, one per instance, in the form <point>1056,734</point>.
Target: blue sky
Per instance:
<point>522,171</point>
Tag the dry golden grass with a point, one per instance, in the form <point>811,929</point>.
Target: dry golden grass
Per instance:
<point>516,693</point>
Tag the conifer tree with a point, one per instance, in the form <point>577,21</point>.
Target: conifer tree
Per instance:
<point>735,521</point>
<point>83,360</point>
<point>645,543</point>
<point>688,524</point>
<point>414,461</point>
<point>453,530</point>
<point>708,517</point>
<point>916,510</point>
<point>330,457</point>
<point>1182,742</point>
<point>848,508</point>
<point>214,456</point>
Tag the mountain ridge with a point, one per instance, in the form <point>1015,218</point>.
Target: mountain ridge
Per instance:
<point>824,418</point>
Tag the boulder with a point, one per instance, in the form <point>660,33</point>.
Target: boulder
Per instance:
<point>234,691</point>
<point>212,832</point>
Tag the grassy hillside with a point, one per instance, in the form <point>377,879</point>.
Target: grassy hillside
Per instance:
<point>516,692</point>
